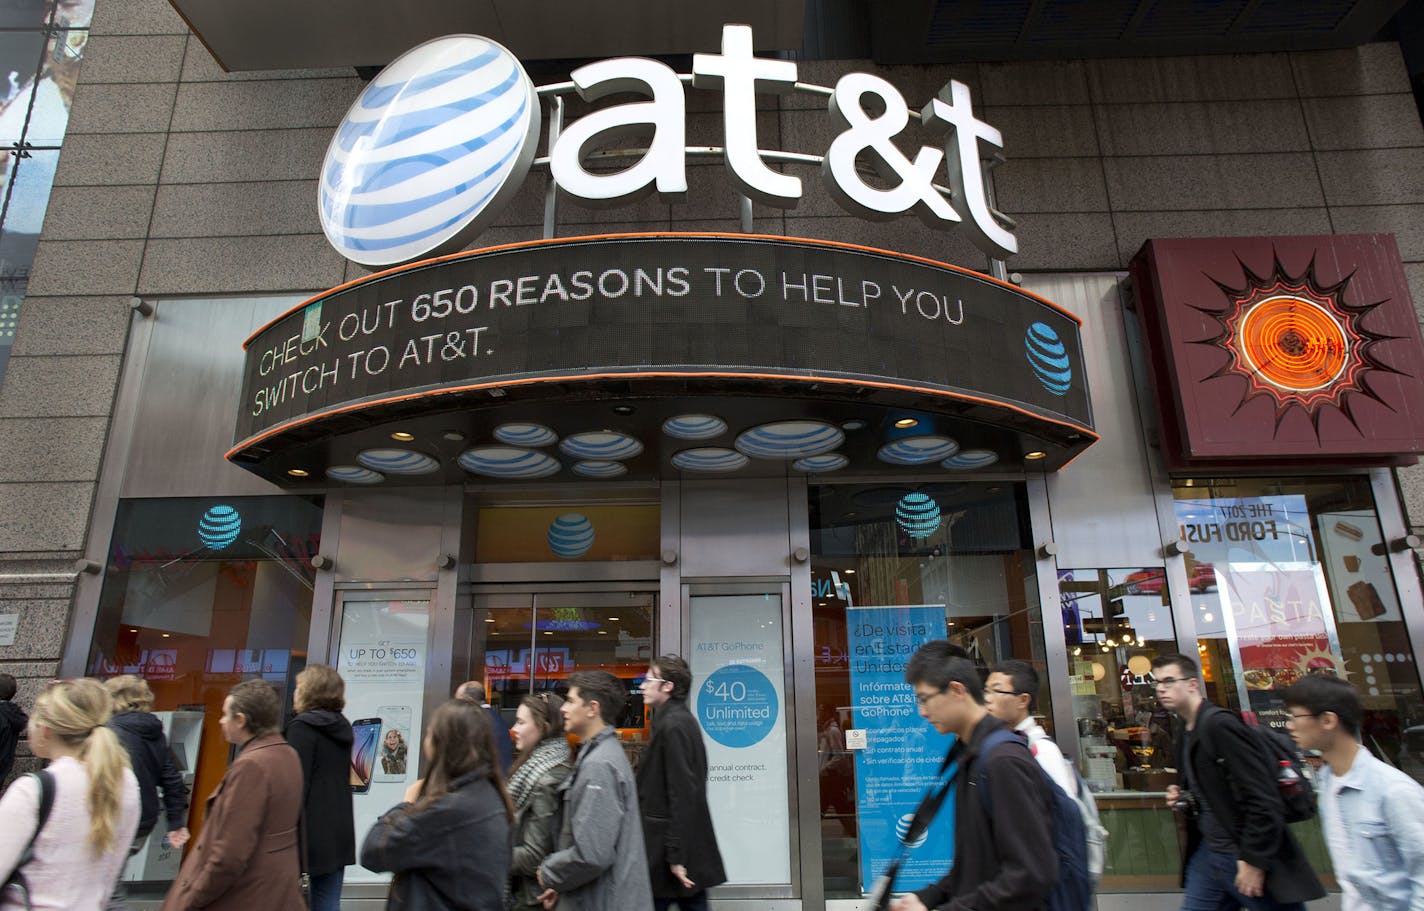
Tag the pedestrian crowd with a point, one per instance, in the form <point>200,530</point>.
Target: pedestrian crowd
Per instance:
<point>504,818</point>
<point>511,818</point>
<point>1239,787</point>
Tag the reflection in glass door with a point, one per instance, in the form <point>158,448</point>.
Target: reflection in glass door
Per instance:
<point>524,642</point>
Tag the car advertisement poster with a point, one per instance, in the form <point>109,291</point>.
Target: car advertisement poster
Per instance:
<point>1270,593</point>
<point>902,754</point>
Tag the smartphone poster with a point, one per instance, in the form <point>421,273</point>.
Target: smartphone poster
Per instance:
<point>383,661</point>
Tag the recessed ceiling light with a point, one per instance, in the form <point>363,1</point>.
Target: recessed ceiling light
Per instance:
<point>906,422</point>
<point>612,618</point>
<point>167,636</point>
<point>849,572</point>
<point>489,619</point>
<point>298,472</point>
<point>603,632</point>
<point>853,424</point>
<point>133,629</point>
<point>1036,454</point>
<point>403,436</point>
<point>453,436</point>
<point>623,409</point>
<point>547,633</point>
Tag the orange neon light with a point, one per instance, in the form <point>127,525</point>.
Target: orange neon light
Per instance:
<point>1293,343</point>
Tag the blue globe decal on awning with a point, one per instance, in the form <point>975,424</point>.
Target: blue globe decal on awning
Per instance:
<point>1048,357</point>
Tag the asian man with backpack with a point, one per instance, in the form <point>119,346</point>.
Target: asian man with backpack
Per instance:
<point>1018,839</point>
<point>1009,694</point>
<point>1239,850</point>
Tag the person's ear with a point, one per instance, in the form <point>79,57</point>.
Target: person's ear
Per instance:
<point>1329,721</point>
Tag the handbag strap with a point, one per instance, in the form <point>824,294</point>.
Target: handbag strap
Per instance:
<point>17,876</point>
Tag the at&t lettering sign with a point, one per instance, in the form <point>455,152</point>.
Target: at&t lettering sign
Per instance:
<point>440,141</point>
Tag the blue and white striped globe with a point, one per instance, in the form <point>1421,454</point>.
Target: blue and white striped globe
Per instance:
<point>917,450</point>
<point>694,426</point>
<point>525,434</point>
<point>1048,357</point>
<point>902,831</point>
<point>918,514</point>
<point>597,469</point>
<point>219,526</point>
<point>709,459</point>
<point>354,474</point>
<point>429,152</point>
<point>971,458</point>
<point>397,461</point>
<point>570,536</point>
<point>508,462</point>
<point>789,440</point>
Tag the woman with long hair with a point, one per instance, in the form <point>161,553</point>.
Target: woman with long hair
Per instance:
<point>448,843</point>
<point>322,737</point>
<point>246,856</point>
<point>540,767</point>
<point>82,846</point>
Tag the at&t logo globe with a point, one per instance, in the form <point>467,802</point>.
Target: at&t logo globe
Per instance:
<point>219,526</point>
<point>429,152</point>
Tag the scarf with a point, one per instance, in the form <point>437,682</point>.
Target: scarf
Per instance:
<point>547,755</point>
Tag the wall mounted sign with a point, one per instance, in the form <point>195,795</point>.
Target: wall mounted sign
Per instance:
<point>1282,348</point>
<point>631,309</point>
<point>443,137</point>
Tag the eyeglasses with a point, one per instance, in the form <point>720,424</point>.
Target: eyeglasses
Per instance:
<point>1005,692</point>
<point>924,698</point>
<point>651,679</point>
<point>1296,716</point>
<point>1169,681</point>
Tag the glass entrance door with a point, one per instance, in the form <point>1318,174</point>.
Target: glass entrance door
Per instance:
<point>523,641</point>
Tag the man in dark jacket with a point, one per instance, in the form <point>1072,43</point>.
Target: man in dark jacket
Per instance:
<point>1239,850</point>
<point>12,725</point>
<point>1004,861</point>
<point>476,691</point>
<point>683,860</point>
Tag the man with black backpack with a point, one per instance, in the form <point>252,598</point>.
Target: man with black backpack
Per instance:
<point>1239,851</point>
<point>1004,851</point>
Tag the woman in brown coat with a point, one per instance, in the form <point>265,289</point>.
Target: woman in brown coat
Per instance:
<point>246,856</point>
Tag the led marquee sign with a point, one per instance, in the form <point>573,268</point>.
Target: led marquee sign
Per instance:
<point>700,310</point>
<point>444,136</point>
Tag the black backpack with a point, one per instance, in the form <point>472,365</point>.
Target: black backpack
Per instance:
<point>1074,889</point>
<point>1287,770</point>
<point>15,881</point>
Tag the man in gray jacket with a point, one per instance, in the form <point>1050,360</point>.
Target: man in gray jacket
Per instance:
<point>599,863</point>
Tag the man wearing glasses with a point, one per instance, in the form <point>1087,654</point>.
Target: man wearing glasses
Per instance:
<point>1004,860</point>
<point>1009,694</point>
<point>1372,813</point>
<point>1239,851</point>
<point>683,860</point>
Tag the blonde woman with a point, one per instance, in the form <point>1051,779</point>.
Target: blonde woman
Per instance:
<point>82,845</point>
<point>141,733</point>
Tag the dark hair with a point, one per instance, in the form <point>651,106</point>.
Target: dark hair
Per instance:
<point>322,688</point>
<point>675,671</point>
<point>259,701</point>
<point>1024,677</point>
<point>1188,666</point>
<point>461,741</point>
<point>1321,693</point>
<point>939,663</point>
<point>603,688</point>
<point>544,709</point>
<point>7,688</point>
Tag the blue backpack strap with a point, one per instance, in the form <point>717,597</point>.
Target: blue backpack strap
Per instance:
<point>991,743</point>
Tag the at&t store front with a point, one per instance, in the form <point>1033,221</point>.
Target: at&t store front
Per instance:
<point>792,461</point>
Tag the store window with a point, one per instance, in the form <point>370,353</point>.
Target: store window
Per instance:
<point>199,595</point>
<point>1292,578</point>
<point>41,47</point>
<point>1115,621</point>
<point>892,567</point>
<point>583,532</point>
